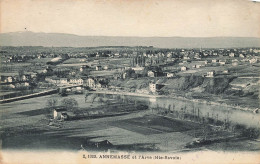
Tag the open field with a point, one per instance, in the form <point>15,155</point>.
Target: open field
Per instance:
<point>103,73</point>
<point>72,134</point>
<point>41,60</point>
<point>152,124</point>
<point>73,61</point>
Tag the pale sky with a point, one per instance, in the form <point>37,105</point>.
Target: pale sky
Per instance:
<point>185,18</point>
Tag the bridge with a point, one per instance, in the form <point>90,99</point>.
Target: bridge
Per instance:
<point>38,94</point>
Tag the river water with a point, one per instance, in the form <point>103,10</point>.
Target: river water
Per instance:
<point>201,109</point>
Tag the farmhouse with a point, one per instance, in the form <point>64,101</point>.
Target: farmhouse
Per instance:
<point>60,113</point>
<point>26,77</point>
<point>215,60</point>
<point>252,61</point>
<point>106,67</point>
<point>197,66</point>
<point>232,54</point>
<point>96,83</point>
<point>98,68</point>
<point>207,61</point>
<point>211,74</point>
<point>241,55</point>
<point>170,74</point>
<point>226,71</point>
<point>91,82</point>
<point>9,79</point>
<point>222,62</point>
<point>184,68</point>
<point>154,73</point>
<point>83,68</point>
<point>155,87</point>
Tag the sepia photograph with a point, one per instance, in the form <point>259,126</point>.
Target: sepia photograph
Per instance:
<point>129,81</point>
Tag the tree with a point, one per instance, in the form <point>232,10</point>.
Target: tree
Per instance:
<point>100,100</point>
<point>130,72</point>
<point>20,73</point>
<point>70,103</point>
<point>91,98</point>
<point>51,103</point>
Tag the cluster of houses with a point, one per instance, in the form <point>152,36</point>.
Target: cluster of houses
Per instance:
<point>143,63</point>
<point>91,82</point>
<point>16,78</point>
<point>15,81</point>
<point>17,58</point>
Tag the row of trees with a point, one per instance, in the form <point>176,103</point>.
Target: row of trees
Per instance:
<point>70,104</point>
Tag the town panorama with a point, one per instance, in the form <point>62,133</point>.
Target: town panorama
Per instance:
<point>138,98</point>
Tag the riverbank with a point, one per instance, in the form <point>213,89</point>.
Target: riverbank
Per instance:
<point>126,93</point>
<point>254,110</point>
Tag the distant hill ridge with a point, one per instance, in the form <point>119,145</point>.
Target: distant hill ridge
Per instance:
<point>71,40</point>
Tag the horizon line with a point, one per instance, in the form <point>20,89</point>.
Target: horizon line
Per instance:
<point>132,36</point>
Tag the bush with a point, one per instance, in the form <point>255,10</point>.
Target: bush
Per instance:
<point>253,133</point>
<point>69,103</point>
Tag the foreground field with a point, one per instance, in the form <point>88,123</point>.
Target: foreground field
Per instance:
<point>26,127</point>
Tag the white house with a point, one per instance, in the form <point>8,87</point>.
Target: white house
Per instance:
<point>64,81</point>
<point>77,81</point>
<point>106,67</point>
<point>197,56</point>
<point>211,74</point>
<point>151,74</point>
<point>186,57</point>
<point>170,74</point>
<point>222,62</point>
<point>169,55</point>
<point>91,83</point>
<point>12,86</point>
<point>54,80</point>
<point>81,69</point>
<point>9,79</point>
<point>241,56</point>
<point>232,54</point>
<point>33,75</point>
<point>197,66</point>
<point>207,61</point>
<point>183,68</point>
<point>215,60</point>
<point>252,61</point>
<point>234,63</point>
<point>26,84</point>
<point>98,68</point>
<point>124,75</point>
<point>82,60</point>
<point>226,71</point>
<point>138,68</point>
<point>60,114</point>
<point>154,87</point>
<point>116,55</point>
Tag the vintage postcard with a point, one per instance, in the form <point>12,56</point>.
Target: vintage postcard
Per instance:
<point>129,81</point>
